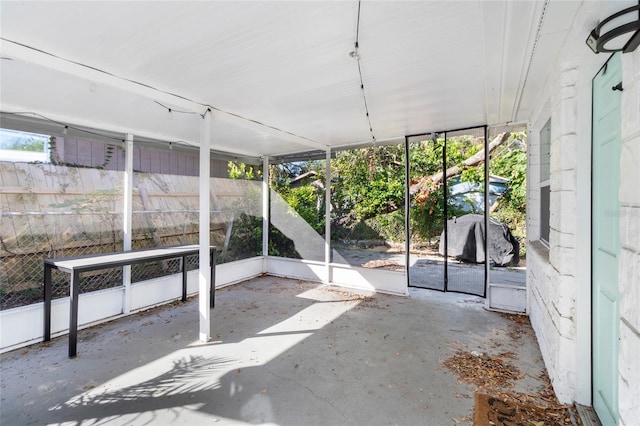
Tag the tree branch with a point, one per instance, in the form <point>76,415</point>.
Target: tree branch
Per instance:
<point>424,185</point>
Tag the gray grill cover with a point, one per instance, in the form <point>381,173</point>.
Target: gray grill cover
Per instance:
<point>466,241</point>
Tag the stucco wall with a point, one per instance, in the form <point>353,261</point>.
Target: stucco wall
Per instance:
<point>629,263</point>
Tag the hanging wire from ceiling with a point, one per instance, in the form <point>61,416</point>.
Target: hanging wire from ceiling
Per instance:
<point>355,54</point>
<point>170,110</point>
<point>65,127</point>
<point>208,107</point>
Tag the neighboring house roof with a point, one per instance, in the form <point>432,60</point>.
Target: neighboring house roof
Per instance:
<point>302,179</point>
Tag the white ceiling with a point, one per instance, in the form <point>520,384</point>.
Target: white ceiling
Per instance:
<point>278,75</point>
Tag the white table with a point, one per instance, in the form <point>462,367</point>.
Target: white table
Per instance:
<point>76,265</point>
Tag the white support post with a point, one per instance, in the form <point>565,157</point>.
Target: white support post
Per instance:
<point>204,273</point>
<point>487,230</point>
<point>127,218</point>
<point>407,213</point>
<point>265,212</point>
<point>327,215</point>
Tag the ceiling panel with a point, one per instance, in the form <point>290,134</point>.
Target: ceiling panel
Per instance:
<point>278,74</point>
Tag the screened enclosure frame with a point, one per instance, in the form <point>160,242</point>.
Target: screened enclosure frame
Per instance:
<point>486,206</point>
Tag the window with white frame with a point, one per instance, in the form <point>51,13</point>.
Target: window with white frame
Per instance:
<point>21,146</point>
<point>545,181</point>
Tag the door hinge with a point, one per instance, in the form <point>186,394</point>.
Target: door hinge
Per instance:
<point>618,87</point>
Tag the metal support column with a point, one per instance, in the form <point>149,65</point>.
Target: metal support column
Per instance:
<point>74,291</point>
<point>47,303</point>
<point>183,262</point>
<point>212,300</point>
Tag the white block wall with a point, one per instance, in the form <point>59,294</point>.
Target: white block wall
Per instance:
<point>629,266</point>
<point>558,277</point>
<point>551,272</point>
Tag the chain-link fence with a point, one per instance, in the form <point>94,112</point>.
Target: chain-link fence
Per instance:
<point>37,236</point>
<point>169,228</point>
<point>56,211</point>
<point>28,238</point>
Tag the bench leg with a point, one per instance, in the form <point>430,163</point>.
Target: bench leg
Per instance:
<point>212,293</point>
<point>73,318</point>
<point>47,303</point>
<point>184,278</point>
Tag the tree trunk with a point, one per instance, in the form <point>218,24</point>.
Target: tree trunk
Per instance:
<point>424,185</point>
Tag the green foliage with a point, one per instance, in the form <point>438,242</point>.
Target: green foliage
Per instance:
<point>474,175</point>
<point>370,184</point>
<point>388,227</point>
<point>461,148</point>
<point>304,200</point>
<point>246,240</point>
<point>281,175</point>
<point>280,245</point>
<point>427,216</point>
<point>108,154</point>
<point>22,141</point>
<point>54,158</point>
<point>307,199</point>
<point>511,163</point>
<point>370,181</point>
<point>513,166</point>
<point>246,237</point>
<point>368,189</point>
<point>243,171</point>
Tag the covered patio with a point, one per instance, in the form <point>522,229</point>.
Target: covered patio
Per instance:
<point>285,352</point>
<point>264,83</point>
<point>313,336</point>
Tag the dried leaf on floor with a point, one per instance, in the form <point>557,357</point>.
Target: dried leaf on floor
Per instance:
<point>483,371</point>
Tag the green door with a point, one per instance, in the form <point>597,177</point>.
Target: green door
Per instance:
<point>605,238</point>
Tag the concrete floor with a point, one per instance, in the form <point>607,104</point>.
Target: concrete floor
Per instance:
<point>286,352</point>
<point>427,271</point>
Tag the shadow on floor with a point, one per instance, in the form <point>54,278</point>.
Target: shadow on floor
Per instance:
<point>285,352</point>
